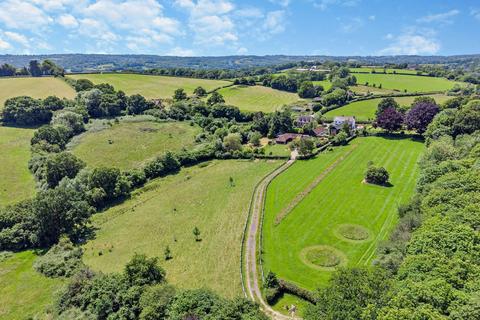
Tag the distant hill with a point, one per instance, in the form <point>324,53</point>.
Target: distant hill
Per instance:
<point>107,62</point>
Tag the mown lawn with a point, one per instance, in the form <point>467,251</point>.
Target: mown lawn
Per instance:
<point>365,110</point>
<point>16,181</point>
<point>257,98</point>
<point>34,87</point>
<point>165,212</point>
<point>151,86</point>
<point>281,150</point>
<point>326,84</point>
<point>129,144</point>
<point>410,82</point>
<point>24,293</point>
<point>339,199</point>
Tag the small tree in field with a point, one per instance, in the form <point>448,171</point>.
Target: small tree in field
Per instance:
<point>167,253</point>
<point>200,91</point>
<point>390,119</point>
<point>179,95</point>
<point>376,175</point>
<point>215,98</point>
<point>196,233</point>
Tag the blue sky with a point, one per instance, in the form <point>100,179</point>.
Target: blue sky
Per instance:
<point>227,27</point>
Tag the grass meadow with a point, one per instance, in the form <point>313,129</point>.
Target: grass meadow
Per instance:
<point>411,83</point>
<point>129,143</point>
<point>164,213</point>
<point>340,203</point>
<point>151,86</point>
<point>34,87</point>
<point>365,110</point>
<point>16,182</point>
<point>257,98</point>
<point>24,293</point>
<point>380,70</point>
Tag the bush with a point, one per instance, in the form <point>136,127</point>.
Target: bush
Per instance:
<point>62,260</point>
<point>376,175</point>
<point>25,111</point>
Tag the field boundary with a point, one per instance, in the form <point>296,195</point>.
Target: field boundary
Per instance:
<point>300,196</point>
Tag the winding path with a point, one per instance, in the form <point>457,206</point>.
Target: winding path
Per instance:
<point>251,249</point>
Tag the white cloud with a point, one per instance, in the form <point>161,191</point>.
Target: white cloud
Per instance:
<point>180,52</point>
<point>18,14</point>
<point>445,17</point>
<point>354,24</point>
<point>67,21</point>
<point>210,20</point>
<point>17,37</point>
<point>411,43</point>
<point>324,4</point>
<point>372,18</point>
<point>4,45</point>
<point>274,22</point>
<point>242,50</point>
<point>283,3</point>
<point>475,13</point>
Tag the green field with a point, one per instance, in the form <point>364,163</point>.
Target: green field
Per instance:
<point>411,83</point>
<point>326,84</point>
<point>24,293</point>
<point>281,150</point>
<point>151,86</point>
<point>364,90</point>
<point>129,143</point>
<point>16,182</point>
<point>380,70</point>
<point>165,212</point>
<point>340,200</point>
<point>257,98</point>
<point>365,110</point>
<point>34,87</point>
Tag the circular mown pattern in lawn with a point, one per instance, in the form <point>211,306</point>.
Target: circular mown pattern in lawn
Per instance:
<point>353,232</point>
<point>323,257</point>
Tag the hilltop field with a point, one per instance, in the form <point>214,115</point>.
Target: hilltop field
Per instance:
<point>131,142</point>
<point>16,183</point>
<point>164,213</point>
<point>34,87</point>
<point>151,86</point>
<point>411,83</point>
<point>342,220</point>
<point>365,110</point>
<point>257,98</point>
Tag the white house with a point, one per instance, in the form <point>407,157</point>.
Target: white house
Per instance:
<point>338,122</point>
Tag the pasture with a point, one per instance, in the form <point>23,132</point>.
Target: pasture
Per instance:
<point>34,87</point>
<point>365,110</point>
<point>341,220</point>
<point>151,86</point>
<point>16,183</point>
<point>326,84</point>
<point>129,143</point>
<point>411,83</point>
<point>381,70</point>
<point>165,212</point>
<point>257,98</point>
<point>24,293</point>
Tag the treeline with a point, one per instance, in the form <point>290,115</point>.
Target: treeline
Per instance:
<point>429,268</point>
<point>35,69</point>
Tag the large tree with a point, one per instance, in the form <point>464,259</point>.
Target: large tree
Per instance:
<point>420,116</point>
<point>390,119</point>
<point>386,103</point>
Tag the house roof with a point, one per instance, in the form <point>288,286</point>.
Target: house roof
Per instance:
<point>320,131</point>
<point>283,138</point>
<point>305,118</point>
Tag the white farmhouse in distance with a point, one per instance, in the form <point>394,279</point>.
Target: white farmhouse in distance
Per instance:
<point>338,123</point>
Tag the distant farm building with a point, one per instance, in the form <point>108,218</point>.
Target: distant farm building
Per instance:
<point>321,132</point>
<point>289,137</point>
